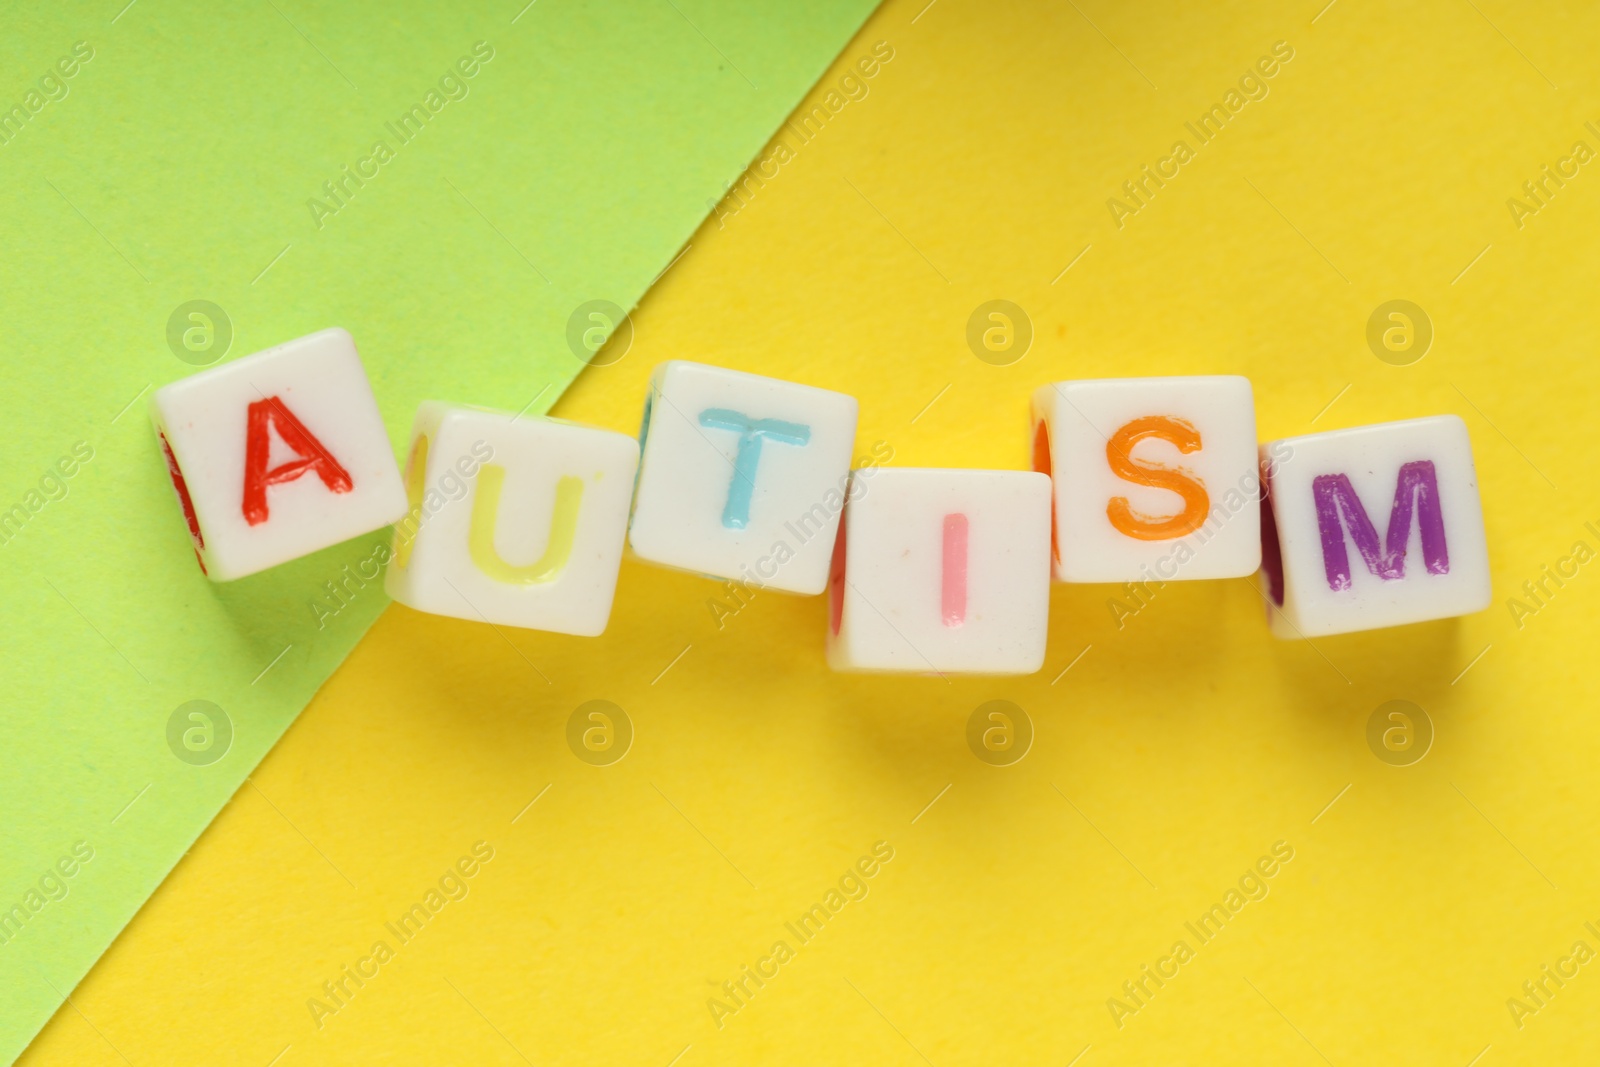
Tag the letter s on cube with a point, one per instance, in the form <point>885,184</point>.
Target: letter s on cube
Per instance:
<point>1155,478</point>
<point>277,455</point>
<point>1372,526</point>
<point>515,520</point>
<point>742,476</point>
<point>942,571</point>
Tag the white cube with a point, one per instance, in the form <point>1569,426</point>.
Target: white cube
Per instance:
<point>277,455</point>
<point>943,571</point>
<point>515,520</point>
<point>742,476</point>
<point>1155,478</point>
<point>1373,526</point>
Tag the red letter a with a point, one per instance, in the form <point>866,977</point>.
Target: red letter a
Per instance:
<point>258,447</point>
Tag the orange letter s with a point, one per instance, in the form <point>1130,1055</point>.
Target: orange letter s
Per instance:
<point>1196,502</point>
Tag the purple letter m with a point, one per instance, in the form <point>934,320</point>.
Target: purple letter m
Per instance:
<point>1418,487</point>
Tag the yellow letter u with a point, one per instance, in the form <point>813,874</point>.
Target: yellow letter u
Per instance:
<point>563,526</point>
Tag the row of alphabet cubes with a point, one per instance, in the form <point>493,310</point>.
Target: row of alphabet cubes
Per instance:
<point>522,521</point>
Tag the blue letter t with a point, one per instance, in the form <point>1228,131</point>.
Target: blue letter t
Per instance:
<point>736,515</point>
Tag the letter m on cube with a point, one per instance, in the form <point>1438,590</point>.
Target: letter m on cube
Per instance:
<point>1329,567</point>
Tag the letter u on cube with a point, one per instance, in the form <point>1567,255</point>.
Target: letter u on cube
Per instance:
<point>512,520</point>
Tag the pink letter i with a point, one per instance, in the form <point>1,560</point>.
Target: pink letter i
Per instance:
<point>953,594</point>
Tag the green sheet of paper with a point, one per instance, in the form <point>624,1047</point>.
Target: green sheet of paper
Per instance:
<point>449,185</point>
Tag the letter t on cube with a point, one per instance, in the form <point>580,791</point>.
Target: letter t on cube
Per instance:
<point>742,476</point>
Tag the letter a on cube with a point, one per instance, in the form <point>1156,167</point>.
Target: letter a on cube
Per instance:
<point>1373,526</point>
<point>277,455</point>
<point>515,520</point>
<point>942,571</point>
<point>742,476</point>
<point>1155,478</point>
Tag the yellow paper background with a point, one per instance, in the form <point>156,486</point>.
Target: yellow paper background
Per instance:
<point>1171,756</point>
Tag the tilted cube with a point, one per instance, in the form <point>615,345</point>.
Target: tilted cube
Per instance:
<point>1155,478</point>
<point>516,520</point>
<point>943,571</point>
<point>742,476</point>
<point>1373,526</point>
<point>277,455</point>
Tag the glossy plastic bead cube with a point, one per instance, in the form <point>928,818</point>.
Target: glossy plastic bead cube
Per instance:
<point>277,455</point>
<point>515,520</point>
<point>1373,526</point>
<point>742,476</point>
<point>1155,478</point>
<point>944,571</point>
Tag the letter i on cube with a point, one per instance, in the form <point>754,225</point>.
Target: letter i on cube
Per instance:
<point>277,455</point>
<point>1331,566</point>
<point>942,571</point>
<point>742,476</point>
<point>1155,478</point>
<point>517,520</point>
